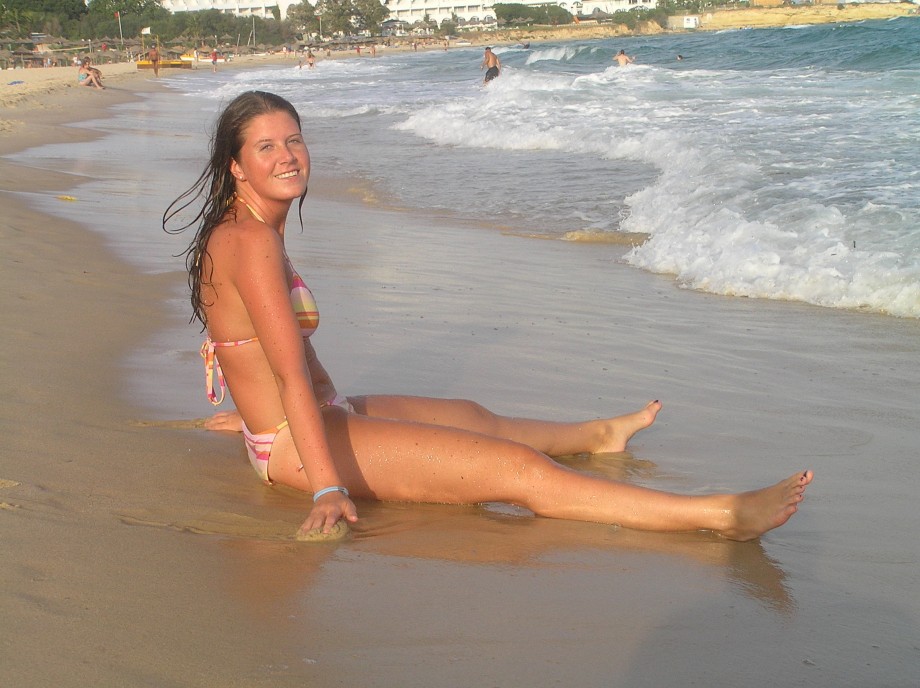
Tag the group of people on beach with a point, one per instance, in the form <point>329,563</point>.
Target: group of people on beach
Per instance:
<point>90,76</point>
<point>301,431</point>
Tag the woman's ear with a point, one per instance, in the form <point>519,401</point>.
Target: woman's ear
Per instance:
<point>236,170</point>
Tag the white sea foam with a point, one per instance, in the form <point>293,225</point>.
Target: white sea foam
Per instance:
<point>558,53</point>
<point>776,164</point>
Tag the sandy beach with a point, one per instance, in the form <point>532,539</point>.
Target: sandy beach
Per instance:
<point>142,551</point>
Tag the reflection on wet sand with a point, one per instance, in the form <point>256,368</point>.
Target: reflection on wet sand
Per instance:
<point>488,535</point>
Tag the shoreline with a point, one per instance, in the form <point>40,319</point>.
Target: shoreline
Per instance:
<point>720,19</point>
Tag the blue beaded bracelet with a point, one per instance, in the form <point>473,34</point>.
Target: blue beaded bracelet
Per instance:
<point>327,490</point>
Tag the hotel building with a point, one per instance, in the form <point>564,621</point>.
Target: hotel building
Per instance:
<point>409,11</point>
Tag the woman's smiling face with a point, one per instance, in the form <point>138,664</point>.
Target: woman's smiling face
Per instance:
<point>273,160</point>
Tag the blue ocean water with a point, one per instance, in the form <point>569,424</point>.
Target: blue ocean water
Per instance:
<point>773,163</point>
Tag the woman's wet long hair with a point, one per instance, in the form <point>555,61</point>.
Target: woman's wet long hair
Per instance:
<point>217,186</point>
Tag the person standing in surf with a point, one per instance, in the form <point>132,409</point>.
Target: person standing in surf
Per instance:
<point>491,64</point>
<point>623,59</point>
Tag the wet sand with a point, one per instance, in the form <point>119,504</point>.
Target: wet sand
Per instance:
<point>141,550</point>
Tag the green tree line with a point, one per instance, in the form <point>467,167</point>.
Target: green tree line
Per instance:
<point>518,14</point>
<point>74,20</point>
<point>330,17</point>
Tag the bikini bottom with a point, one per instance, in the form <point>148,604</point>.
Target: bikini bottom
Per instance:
<point>259,444</point>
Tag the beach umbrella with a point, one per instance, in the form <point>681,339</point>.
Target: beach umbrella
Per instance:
<point>16,42</point>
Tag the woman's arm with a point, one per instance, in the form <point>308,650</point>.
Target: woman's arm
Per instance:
<point>258,272</point>
<point>321,379</point>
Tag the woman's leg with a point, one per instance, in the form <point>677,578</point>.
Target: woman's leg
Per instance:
<point>549,437</point>
<point>409,461</point>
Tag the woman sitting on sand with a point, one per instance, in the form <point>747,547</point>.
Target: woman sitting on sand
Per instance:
<point>301,432</point>
<point>88,75</point>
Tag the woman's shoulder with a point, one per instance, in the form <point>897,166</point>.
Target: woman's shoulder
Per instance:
<point>245,232</point>
<point>244,243</point>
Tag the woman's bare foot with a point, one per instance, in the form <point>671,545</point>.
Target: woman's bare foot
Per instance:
<point>225,420</point>
<point>621,429</point>
<point>754,513</point>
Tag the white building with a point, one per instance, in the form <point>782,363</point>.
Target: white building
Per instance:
<point>410,11</point>
<point>589,7</point>
<point>241,8</point>
<point>473,12</point>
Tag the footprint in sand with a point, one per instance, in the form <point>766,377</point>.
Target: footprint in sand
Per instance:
<point>4,483</point>
<point>230,525</point>
<point>186,424</point>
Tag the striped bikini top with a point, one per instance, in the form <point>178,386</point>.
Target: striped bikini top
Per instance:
<point>304,306</point>
<point>307,317</point>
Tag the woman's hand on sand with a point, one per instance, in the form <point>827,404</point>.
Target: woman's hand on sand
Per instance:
<point>327,510</point>
<point>225,420</point>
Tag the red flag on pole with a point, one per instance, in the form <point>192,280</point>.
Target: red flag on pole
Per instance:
<point>118,15</point>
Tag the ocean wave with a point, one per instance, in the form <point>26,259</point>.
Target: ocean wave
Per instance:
<point>772,163</point>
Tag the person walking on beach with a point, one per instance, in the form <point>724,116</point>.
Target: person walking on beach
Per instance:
<point>302,432</point>
<point>623,59</point>
<point>154,56</point>
<point>214,60</point>
<point>494,65</point>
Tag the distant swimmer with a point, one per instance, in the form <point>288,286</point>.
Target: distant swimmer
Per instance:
<point>623,59</point>
<point>494,65</point>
